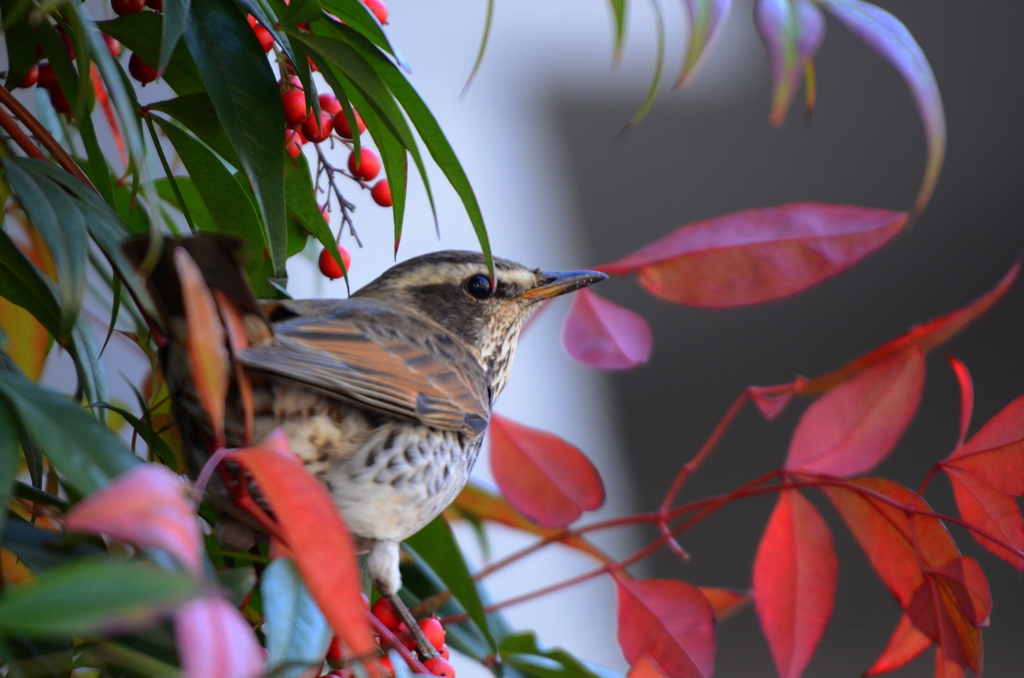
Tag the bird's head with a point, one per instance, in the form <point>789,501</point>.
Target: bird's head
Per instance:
<point>453,288</point>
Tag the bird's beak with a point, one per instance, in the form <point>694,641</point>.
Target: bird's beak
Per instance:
<point>555,283</point>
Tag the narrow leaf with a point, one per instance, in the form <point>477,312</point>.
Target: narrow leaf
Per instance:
<point>208,358</point>
<point>669,620</point>
<point>141,32</point>
<point>887,36</point>
<point>795,574</point>
<point>145,507</point>
<point>707,19</point>
<point>175,15</point>
<point>436,545</point>
<point>223,45</point>
<point>963,378</point>
<point>297,631</point>
<point>604,335</point>
<point>758,255</point>
<point>854,426</point>
<point>10,458</point>
<point>792,31</point>
<point>311,527</point>
<point>92,595</point>
<point>544,477</point>
<point>23,284</point>
<point>215,640</point>
<point>197,114</point>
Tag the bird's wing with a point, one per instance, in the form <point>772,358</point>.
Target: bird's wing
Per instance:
<point>382,358</point>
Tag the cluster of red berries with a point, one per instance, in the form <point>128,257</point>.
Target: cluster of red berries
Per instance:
<point>431,627</point>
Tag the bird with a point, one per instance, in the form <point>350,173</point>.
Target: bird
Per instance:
<point>385,396</point>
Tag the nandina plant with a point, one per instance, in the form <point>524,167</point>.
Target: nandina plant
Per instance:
<point>260,89</point>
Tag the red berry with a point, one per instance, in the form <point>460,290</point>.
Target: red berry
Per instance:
<point>439,666</point>
<point>318,130</point>
<point>140,70</point>
<point>122,7</point>
<point>312,66</point>
<point>334,654</point>
<point>368,166</point>
<point>443,651</point>
<point>378,8</point>
<point>47,78</point>
<point>341,124</point>
<point>156,5</point>
<point>329,268</point>
<point>381,193</point>
<point>265,38</point>
<point>113,46</point>
<point>31,78</point>
<point>251,19</point>
<point>404,637</point>
<point>382,609</point>
<point>293,142</point>
<point>59,101</point>
<point>433,630</point>
<point>325,214</point>
<point>329,104</point>
<point>294,102</point>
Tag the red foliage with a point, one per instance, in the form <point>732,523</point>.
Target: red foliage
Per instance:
<point>669,620</point>
<point>605,335</point>
<point>795,581</point>
<point>542,476</point>
<point>758,255</point>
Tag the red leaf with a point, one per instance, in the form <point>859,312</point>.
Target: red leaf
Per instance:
<point>604,335</point>
<point>905,645</point>
<point>760,254</point>
<point>992,511</point>
<point>970,586</point>
<point>238,341</point>
<point>645,667</point>
<point>945,668</point>
<point>315,534</point>
<point>215,640</point>
<point>794,581</point>
<point>542,476</point>
<point>725,602</point>
<point>208,357</point>
<point>855,425</point>
<point>949,607</point>
<point>887,534</point>
<point>671,621</point>
<point>995,454</point>
<point>771,400</point>
<point>145,507</point>
<point>963,379</point>
<point>925,336</point>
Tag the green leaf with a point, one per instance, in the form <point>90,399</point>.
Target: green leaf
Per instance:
<point>91,595</point>
<point>9,458</point>
<point>483,45</point>
<point>619,13</point>
<point>57,217</point>
<point>105,227</point>
<point>302,205</point>
<point>436,545</point>
<point>21,44</point>
<point>522,652</point>
<point>237,583</point>
<point>197,114</point>
<point>302,10</point>
<point>157,445</point>
<point>25,285</point>
<point>92,377</point>
<point>175,16</point>
<point>357,15</point>
<point>396,167</point>
<point>433,138</point>
<point>141,33</point>
<point>249,108</point>
<point>297,631</point>
<point>190,195</point>
<point>81,448</point>
<point>41,549</point>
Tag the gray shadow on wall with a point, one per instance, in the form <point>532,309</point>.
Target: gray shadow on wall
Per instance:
<point>865,146</point>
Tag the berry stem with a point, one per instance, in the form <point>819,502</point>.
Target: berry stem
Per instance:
<point>346,207</point>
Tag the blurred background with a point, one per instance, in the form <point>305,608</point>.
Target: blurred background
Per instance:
<point>536,135</point>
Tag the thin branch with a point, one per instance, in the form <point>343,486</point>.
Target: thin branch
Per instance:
<point>45,138</point>
<point>19,136</point>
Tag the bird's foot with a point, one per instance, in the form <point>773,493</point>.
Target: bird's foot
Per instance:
<point>423,646</point>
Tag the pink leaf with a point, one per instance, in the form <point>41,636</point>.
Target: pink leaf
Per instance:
<point>794,581</point>
<point>856,424</point>
<point>542,476</point>
<point>989,510</point>
<point>645,667</point>
<point>887,36</point>
<point>760,254</point>
<point>669,620</point>
<point>145,507</point>
<point>792,31</point>
<point>963,378</point>
<point>725,602</point>
<point>706,21</point>
<point>215,641</point>
<point>771,400</point>
<point>995,454</point>
<point>905,645</point>
<point>604,335</point>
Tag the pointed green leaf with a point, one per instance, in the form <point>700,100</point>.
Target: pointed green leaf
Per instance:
<point>357,15</point>
<point>175,15</point>
<point>196,113</point>
<point>141,33</point>
<point>297,631</point>
<point>9,458</point>
<point>25,285</point>
<point>21,43</point>
<point>249,108</point>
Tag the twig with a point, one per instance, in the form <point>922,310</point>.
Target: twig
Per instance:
<point>324,166</point>
<point>44,137</point>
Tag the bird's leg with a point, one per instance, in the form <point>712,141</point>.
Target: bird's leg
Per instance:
<point>382,563</point>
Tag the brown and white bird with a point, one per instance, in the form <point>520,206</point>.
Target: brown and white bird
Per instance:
<point>385,396</point>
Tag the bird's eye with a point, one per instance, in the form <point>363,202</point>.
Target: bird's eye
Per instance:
<point>479,286</point>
